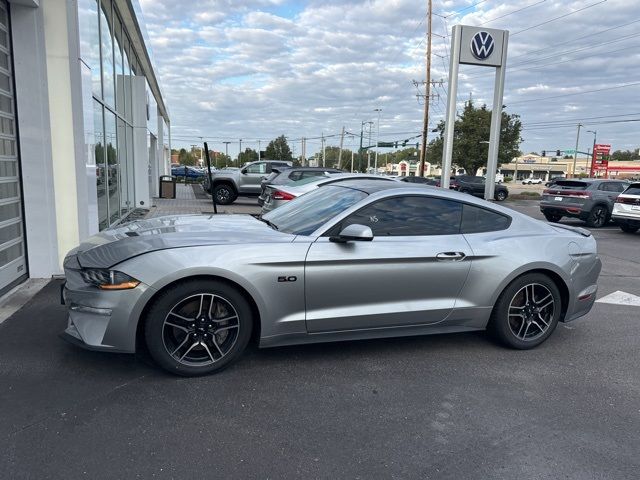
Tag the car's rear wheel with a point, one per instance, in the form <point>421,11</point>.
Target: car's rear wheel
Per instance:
<point>198,327</point>
<point>553,217</point>
<point>526,312</point>
<point>628,228</point>
<point>224,194</point>
<point>501,195</point>
<point>598,217</point>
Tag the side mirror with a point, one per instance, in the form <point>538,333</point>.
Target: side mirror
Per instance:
<point>243,171</point>
<point>353,233</point>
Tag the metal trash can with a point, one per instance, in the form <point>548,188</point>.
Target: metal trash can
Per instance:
<point>167,186</point>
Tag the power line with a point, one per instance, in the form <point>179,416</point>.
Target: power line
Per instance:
<point>558,18</point>
<point>461,10</point>
<point>581,119</point>
<point>511,13</point>
<point>573,94</point>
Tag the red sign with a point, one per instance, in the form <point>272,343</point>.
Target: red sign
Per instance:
<point>600,159</point>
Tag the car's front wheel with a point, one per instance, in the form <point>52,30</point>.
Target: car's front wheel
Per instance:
<point>526,312</point>
<point>501,195</point>
<point>598,217</point>
<point>224,194</point>
<point>553,217</point>
<point>198,327</point>
<point>628,228</point>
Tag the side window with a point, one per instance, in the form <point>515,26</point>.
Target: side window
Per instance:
<point>260,168</point>
<point>310,174</point>
<point>620,187</point>
<point>477,220</point>
<point>410,216</point>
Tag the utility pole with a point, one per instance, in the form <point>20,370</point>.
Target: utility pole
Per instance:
<point>575,154</point>
<point>427,98</point>
<point>324,152</point>
<point>304,152</point>
<point>240,152</point>
<point>340,151</point>
<point>377,138</point>
<point>352,155</point>
<point>258,150</point>
<point>369,149</point>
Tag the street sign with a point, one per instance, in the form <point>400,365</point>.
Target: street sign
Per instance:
<point>569,151</point>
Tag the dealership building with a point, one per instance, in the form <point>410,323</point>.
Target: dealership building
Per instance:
<point>84,129</point>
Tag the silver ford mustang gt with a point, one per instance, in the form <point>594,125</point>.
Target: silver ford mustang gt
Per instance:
<point>350,261</point>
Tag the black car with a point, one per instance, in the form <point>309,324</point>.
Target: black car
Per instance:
<point>475,186</point>
<point>421,180</point>
<point>554,180</point>
<point>282,176</point>
<point>589,199</point>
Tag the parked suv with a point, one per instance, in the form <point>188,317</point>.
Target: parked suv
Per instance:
<point>475,186</point>
<point>626,210</point>
<point>589,199</point>
<point>282,176</point>
<point>229,183</point>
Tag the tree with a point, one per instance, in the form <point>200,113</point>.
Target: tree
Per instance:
<point>249,155</point>
<point>471,129</point>
<point>624,155</point>
<point>278,149</point>
<point>186,158</point>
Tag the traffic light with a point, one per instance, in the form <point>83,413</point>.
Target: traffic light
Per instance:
<point>544,153</point>
<point>404,143</point>
<point>396,145</point>
<point>417,145</point>
<point>557,153</point>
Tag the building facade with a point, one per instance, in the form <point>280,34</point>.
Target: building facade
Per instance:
<point>84,129</point>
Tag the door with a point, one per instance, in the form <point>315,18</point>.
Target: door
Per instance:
<point>12,253</point>
<point>251,177</point>
<point>409,274</point>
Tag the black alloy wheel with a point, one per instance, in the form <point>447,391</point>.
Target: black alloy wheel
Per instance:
<point>598,217</point>
<point>198,327</point>
<point>224,194</point>
<point>501,195</point>
<point>526,312</point>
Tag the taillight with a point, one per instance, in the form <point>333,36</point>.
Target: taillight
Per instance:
<point>628,200</point>
<point>280,195</point>
<point>572,193</point>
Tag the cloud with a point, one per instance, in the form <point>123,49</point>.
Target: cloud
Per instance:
<point>256,69</point>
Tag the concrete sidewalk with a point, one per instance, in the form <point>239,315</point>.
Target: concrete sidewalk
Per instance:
<point>187,202</point>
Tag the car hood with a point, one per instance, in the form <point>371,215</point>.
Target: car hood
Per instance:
<point>117,244</point>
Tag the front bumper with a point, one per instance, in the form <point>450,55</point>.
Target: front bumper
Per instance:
<point>104,320</point>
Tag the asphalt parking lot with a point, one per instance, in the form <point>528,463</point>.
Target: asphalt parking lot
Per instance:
<point>452,406</point>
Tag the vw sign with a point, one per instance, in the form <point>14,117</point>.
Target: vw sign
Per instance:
<point>482,45</point>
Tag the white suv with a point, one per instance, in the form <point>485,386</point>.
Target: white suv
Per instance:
<point>626,210</point>
<point>532,181</point>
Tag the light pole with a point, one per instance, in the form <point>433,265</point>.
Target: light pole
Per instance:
<point>575,155</point>
<point>377,137</point>
<point>240,151</point>
<point>595,133</point>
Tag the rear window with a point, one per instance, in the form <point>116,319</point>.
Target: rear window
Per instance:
<point>478,220</point>
<point>633,189</point>
<point>572,184</point>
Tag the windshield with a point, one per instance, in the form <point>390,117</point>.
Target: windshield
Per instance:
<point>307,213</point>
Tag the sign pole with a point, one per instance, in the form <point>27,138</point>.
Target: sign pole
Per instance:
<point>447,148</point>
<point>496,123</point>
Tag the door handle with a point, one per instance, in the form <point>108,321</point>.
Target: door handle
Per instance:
<point>450,256</point>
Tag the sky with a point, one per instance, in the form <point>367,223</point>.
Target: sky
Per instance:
<point>257,69</point>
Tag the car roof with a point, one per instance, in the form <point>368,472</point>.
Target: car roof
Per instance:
<point>371,185</point>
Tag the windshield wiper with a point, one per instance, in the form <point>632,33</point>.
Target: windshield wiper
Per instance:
<point>271,224</point>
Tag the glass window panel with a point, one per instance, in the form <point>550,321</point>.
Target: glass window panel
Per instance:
<point>4,60</point>
<point>127,74</point>
<point>10,232</point>
<point>131,173</point>
<point>6,104</point>
<point>477,220</point>
<point>10,254</point>
<point>4,39</point>
<point>6,126</point>
<point>117,54</point>
<point>101,171</point>
<point>88,20</point>
<point>108,85</point>
<point>8,190</point>
<point>113,170</point>
<point>410,216</point>
<point>4,20</point>
<point>9,211</point>
<point>8,169</point>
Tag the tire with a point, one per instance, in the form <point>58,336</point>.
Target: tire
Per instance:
<point>598,217</point>
<point>198,327</point>
<point>501,196</point>
<point>625,227</point>
<point>553,217</point>
<point>224,194</point>
<point>520,327</point>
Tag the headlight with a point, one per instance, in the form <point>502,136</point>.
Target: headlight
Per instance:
<point>109,279</point>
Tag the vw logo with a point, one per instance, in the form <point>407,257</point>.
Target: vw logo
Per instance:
<point>482,45</point>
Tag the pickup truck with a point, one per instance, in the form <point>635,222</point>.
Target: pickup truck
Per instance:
<point>229,183</point>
